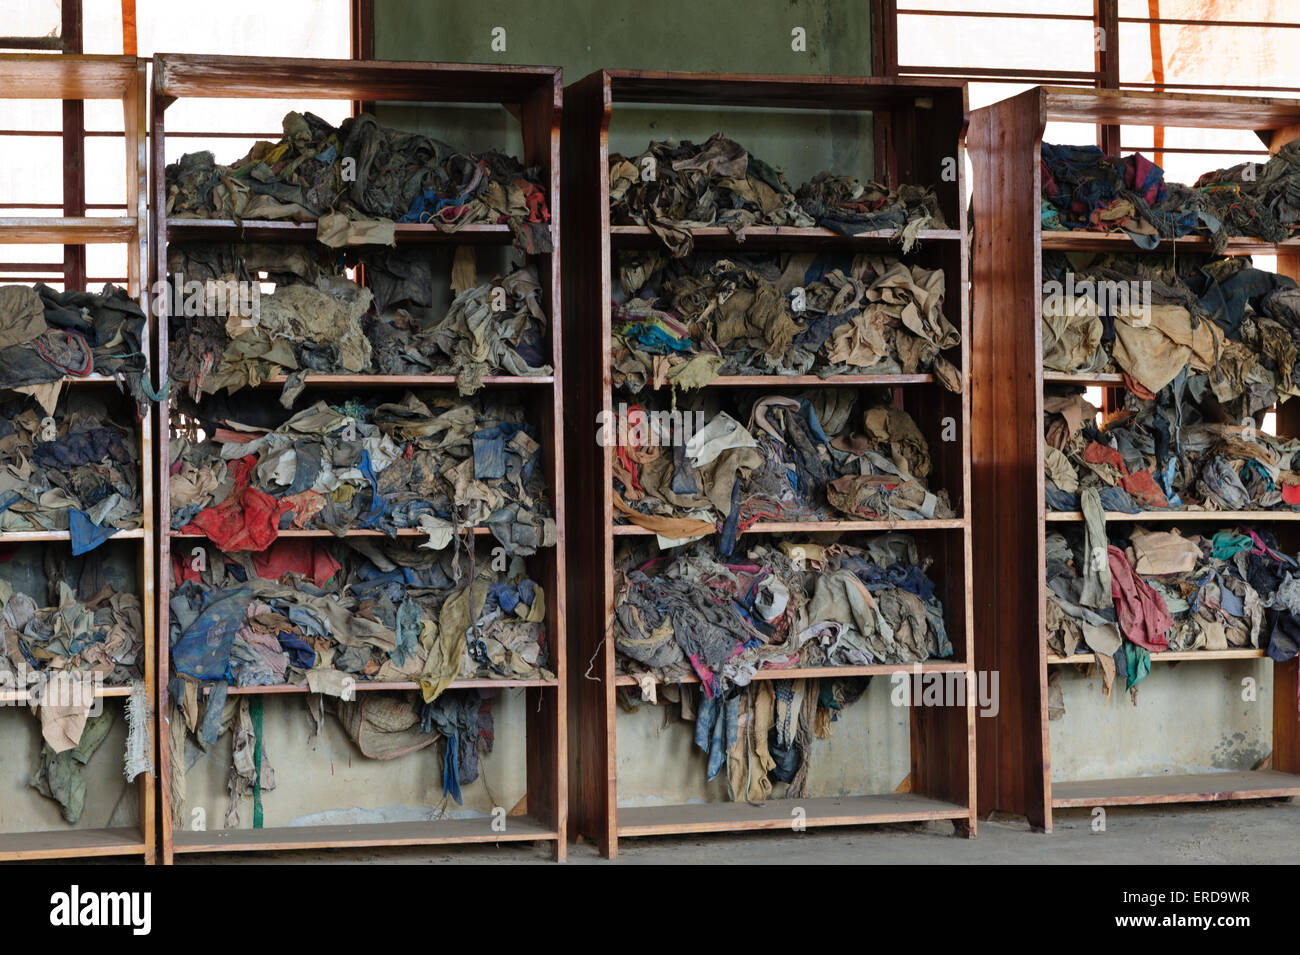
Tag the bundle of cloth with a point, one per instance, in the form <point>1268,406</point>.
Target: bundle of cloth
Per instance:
<point>331,616</point>
<point>46,336</point>
<point>762,733</point>
<point>816,455</point>
<point>683,322</point>
<point>674,187</point>
<point>82,619</point>
<point>1125,594</point>
<point>437,463</point>
<point>318,321</point>
<point>1085,189</point>
<point>785,604</point>
<point>76,470</point>
<point>70,627</point>
<point>1211,328</point>
<point>355,181</point>
<point>1153,455</point>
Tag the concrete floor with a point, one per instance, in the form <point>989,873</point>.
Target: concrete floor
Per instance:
<point>1240,833</point>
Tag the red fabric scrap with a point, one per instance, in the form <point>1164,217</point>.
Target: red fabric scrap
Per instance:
<point>306,558</point>
<point>1143,615</point>
<point>1142,487</point>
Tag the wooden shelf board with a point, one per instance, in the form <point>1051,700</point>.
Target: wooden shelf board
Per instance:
<point>228,230</point>
<point>1097,378</point>
<point>1170,656</point>
<point>409,381</point>
<point>66,76</point>
<point>779,814</point>
<point>814,527</point>
<point>321,532</point>
<point>61,230</point>
<point>813,673</point>
<point>1085,241</point>
<point>373,686</point>
<point>1222,517</point>
<point>280,77</point>
<point>434,832</point>
<point>21,696</point>
<point>25,537</point>
<point>768,92</point>
<point>1153,108</point>
<point>1149,790</point>
<point>71,843</point>
<point>816,381</point>
<point>776,237</point>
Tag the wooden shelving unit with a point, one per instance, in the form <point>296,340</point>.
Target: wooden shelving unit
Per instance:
<point>1007,391</point>
<point>533,96</point>
<point>918,124</point>
<point>120,78</point>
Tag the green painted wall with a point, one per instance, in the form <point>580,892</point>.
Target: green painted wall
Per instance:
<point>742,36</point>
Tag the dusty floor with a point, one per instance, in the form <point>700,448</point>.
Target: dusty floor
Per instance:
<point>1242,833</point>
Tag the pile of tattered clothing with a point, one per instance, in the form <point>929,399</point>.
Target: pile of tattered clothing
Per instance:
<point>46,336</point>
<point>85,623</point>
<point>673,188</point>
<point>318,321</point>
<point>1157,454</point>
<point>330,616</point>
<point>1210,327</point>
<point>1085,189</point>
<point>786,604</point>
<point>356,181</point>
<point>847,206</point>
<point>73,471</point>
<point>683,322</point>
<point>816,455</point>
<point>440,464</point>
<point>762,733</point>
<point>1140,592</point>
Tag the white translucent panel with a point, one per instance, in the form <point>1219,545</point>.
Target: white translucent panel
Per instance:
<point>105,173</point>
<point>995,43</point>
<point>1246,56</point>
<point>1231,11</point>
<point>1081,8</point>
<point>31,18</point>
<point>106,261</point>
<point>31,114</point>
<point>319,28</point>
<point>31,171</point>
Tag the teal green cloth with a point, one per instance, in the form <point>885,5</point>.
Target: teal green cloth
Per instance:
<point>1139,663</point>
<point>255,710</point>
<point>1227,544</point>
<point>59,776</point>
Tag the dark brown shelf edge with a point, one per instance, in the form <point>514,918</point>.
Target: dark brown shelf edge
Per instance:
<point>362,686</point>
<point>409,381</point>
<point>1172,516</point>
<point>815,527</point>
<point>187,230</point>
<point>723,235</point>
<point>818,673</point>
<point>780,813</point>
<point>432,832</point>
<point>1171,656</point>
<point>1079,240</point>
<point>31,537</point>
<point>71,843</point>
<point>478,531</point>
<point>1151,790</point>
<point>1098,378</point>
